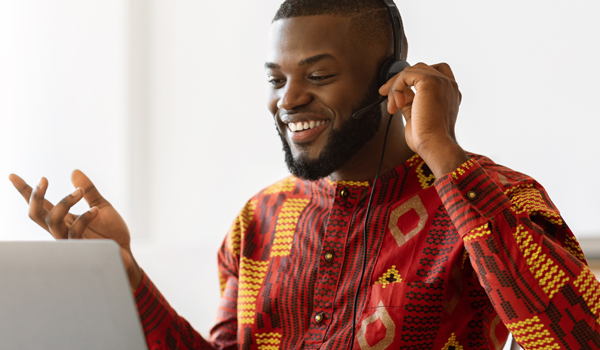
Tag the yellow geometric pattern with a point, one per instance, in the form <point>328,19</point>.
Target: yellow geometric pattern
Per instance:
<point>252,275</point>
<point>548,274</point>
<point>425,180</point>
<point>349,183</point>
<point>573,247</point>
<point>464,259</point>
<point>390,276</point>
<point>240,227</point>
<point>589,288</point>
<point>268,341</point>
<point>414,203</point>
<point>222,283</point>
<point>382,315</point>
<point>478,232</point>
<point>532,335</point>
<point>529,200</point>
<point>462,169</point>
<point>415,159</point>
<point>452,344</point>
<point>493,325</point>
<point>286,225</point>
<point>286,185</point>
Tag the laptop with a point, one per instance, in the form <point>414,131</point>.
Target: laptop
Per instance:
<point>67,295</point>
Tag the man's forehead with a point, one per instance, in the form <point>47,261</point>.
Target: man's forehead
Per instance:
<point>307,36</point>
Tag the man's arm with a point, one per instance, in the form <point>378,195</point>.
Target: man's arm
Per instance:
<point>525,257</point>
<point>165,329</point>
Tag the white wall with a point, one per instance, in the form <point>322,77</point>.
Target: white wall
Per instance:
<point>162,103</point>
<point>530,89</point>
<point>62,101</point>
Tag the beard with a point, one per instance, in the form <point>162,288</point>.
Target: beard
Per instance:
<point>342,143</point>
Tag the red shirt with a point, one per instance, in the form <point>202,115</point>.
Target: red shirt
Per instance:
<point>452,263</point>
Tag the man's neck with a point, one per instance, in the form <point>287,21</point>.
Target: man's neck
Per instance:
<point>363,165</point>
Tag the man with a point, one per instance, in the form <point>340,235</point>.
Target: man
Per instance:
<point>459,250</point>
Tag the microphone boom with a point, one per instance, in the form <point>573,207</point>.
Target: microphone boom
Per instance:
<point>361,112</point>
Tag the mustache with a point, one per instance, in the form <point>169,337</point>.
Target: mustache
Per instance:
<point>305,109</point>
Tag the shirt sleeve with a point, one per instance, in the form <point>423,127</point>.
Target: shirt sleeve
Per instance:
<point>526,258</point>
<point>165,329</point>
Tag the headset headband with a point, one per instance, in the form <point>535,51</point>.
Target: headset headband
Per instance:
<point>392,65</point>
<point>397,29</point>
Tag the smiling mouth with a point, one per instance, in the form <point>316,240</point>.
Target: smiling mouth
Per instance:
<point>307,125</point>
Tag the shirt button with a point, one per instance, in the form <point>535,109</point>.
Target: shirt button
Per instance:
<point>471,195</point>
<point>344,192</point>
<point>319,317</point>
<point>329,256</point>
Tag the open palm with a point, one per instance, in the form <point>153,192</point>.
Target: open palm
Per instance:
<point>102,221</point>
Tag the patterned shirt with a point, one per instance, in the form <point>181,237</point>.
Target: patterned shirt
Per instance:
<point>453,263</point>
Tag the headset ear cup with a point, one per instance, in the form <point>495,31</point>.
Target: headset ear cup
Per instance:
<point>391,68</point>
<point>384,70</point>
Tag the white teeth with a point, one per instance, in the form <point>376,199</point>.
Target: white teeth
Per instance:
<point>305,125</point>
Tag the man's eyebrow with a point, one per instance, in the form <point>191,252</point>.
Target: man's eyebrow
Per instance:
<point>271,65</point>
<point>317,58</point>
<point>309,60</point>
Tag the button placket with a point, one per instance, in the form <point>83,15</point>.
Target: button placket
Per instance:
<point>329,271</point>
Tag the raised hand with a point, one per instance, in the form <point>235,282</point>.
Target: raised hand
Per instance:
<point>102,221</point>
<point>430,112</point>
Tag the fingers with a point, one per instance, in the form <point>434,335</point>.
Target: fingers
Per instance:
<point>445,69</point>
<point>92,196</point>
<point>37,212</point>
<point>80,225</point>
<point>397,88</point>
<point>409,96</point>
<point>398,101</point>
<point>25,190</point>
<point>408,75</point>
<point>21,186</point>
<point>55,219</point>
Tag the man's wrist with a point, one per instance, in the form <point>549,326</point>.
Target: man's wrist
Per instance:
<point>135,276</point>
<point>443,157</point>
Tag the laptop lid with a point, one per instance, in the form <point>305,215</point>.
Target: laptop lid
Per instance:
<point>67,295</point>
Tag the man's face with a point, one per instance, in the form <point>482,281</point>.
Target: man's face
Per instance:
<point>318,77</point>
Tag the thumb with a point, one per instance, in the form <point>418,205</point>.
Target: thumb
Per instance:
<point>91,196</point>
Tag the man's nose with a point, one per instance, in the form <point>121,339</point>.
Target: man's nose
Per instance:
<point>294,94</point>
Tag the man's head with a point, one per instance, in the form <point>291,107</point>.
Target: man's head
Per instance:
<point>322,65</point>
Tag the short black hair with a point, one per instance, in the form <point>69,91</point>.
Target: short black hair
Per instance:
<point>370,19</point>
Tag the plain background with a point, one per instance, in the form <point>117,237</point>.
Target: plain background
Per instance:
<point>162,104</point>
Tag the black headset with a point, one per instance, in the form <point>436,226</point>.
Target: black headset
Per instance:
<point>392,65</point>
<point>389,68</point>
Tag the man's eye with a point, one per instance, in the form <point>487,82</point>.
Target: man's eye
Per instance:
<point>320,77</point>
<point>275,81</point>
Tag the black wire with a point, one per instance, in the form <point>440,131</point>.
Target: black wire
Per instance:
<point>364,250</point>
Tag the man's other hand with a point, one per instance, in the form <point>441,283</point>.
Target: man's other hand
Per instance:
<point>102,221</point>
<point>430,112</point>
